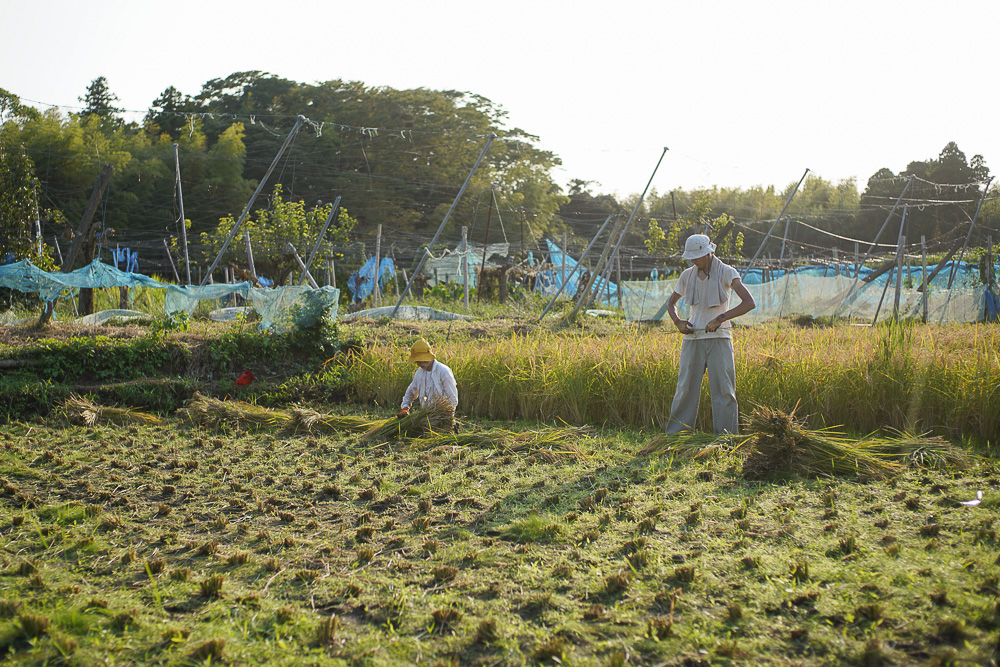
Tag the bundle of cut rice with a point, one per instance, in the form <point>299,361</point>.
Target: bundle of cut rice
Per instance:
<point>214,413</point>
<point>688,445</point>
<point>479,439</point>
<point>921,451</point>
<point>781,446</point>
<point>305,420</point>
<point>550,444</point>
<point>435,418</point>
<point>80,410</point>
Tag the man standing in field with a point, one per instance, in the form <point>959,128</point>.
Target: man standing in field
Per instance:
<point>707,343</point>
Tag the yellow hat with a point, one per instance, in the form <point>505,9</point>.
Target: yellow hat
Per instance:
<point>421,351</point>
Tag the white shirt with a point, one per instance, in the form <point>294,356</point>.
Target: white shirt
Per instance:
<point>429,387</point>
<point>707,292</point>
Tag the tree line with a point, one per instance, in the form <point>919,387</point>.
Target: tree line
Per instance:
<point>398,159</point>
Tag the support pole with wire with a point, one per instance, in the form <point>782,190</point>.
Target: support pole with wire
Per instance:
<point>423,257</point>
<point>576,266</point>
<point>322,234</point>
<point>180,197</point>
<point>246,210</point>
<point>774,224</point>
<point>968,236</point>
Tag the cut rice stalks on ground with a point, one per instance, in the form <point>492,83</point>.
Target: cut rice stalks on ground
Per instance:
<point>214,413</point>
<point>306,420</point>
<point>780,446</point>
<point>921,451</point>
<point>550,445</point>
<point>84,412</point>
<point>436,418</point>
<point>691,445</point>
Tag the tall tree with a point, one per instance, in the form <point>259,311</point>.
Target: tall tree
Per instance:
<point>100,102</point>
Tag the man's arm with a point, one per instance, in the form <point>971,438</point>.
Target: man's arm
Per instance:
<point>745,305</point>
<point>682,325</point>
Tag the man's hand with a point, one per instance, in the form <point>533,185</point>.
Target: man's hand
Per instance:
<point>403,413</point>
<point>714,324</point>
<point>684,326</point>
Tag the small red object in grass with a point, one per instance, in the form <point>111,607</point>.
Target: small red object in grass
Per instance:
<point>245,378</point>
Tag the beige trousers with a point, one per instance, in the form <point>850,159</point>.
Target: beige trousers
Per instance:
<point>716,356</point>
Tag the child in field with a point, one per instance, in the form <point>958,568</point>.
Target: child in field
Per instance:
<point>433,382</point>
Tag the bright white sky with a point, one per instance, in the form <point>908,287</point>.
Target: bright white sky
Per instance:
<point>743,92</point>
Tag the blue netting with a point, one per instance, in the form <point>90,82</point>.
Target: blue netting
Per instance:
<point>280,308</point>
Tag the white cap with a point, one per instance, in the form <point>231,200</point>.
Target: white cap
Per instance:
<point>697,245</point>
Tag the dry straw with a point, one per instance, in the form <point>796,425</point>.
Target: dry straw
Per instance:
<point>689,445</point>
<point>214,413</point>
<point>782,446</point>
<point>82,411</point>
<point>306,420</point>
<point>547,444</point>
<point>435,418</point>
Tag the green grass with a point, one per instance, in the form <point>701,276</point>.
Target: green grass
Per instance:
<point>172,545</point>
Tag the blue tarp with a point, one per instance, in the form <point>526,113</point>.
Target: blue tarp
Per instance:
<point>361,283</point>
<point>550,281</point>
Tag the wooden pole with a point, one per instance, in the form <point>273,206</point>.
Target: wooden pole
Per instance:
<point>172,265</point>
<point>923,280</point>
<point>322,235</point>
<point>565,250</point>
<point>486,245</point>
<point>464,265</point>
<point>302,266</point>
<point>184,236</point>
<point>246,242</point>
<point>376,293</point>
<point>82,233</point>
<point>430,245</point>
<point>900,254</point>
<point>253,197</point>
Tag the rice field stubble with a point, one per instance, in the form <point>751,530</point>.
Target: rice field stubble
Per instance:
<point>168,544</point>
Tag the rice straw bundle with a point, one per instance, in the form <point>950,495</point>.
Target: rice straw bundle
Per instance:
<point>478,439</point>
<point>921,451</point>
<point>435,418</point>
<point>305,420</point>
<point>80,410</point>
<point>550,444</point>
<point>780,445</point>
<point>215,413</point>
<point>688,445</point>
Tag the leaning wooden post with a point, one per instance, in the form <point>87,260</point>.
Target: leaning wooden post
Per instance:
<point>82,232</point>
<point>246,242</point>
<point>246,210</point>
<point>423,258</point>
<point>302,266</point>
<point>775,223</point>
<point>319,239</point>
<point>171,258</point>
<point>184,235</point>
<point>486,246</point>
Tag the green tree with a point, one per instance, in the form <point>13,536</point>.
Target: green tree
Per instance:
<point>20,213</point>
<point>272,228</point>
<point>943,197</point>
<point>99,101</point>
